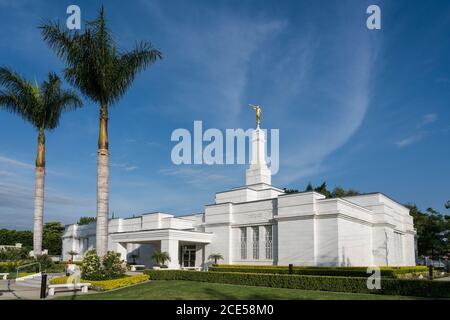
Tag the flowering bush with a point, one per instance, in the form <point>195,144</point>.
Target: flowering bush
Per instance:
<point>109,268</point>
<point>112,268</point>
<point>91,267</point>
<point>103,285</point>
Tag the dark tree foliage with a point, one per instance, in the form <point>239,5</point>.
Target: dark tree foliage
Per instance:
<point>11,237</point>
<point>337,192</point>
<point>86,220</point>
<point>52,233</point>
<point>52,238</point>
<point>433,232</point>
<point>289,191</point>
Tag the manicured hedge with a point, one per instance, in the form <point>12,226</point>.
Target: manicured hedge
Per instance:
<point>104,285</point>
<point>391,272</point>
<point>420,288</point>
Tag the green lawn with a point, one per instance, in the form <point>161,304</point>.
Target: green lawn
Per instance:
<point>191,290</point>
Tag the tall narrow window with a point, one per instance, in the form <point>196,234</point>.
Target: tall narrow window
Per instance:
<point>243,243</point>
<point>268,242</point>
<point>255,242</point>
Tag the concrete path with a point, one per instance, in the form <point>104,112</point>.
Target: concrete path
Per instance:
<point>443,279</point>
<point>9,290</point>
<point>29,290</point>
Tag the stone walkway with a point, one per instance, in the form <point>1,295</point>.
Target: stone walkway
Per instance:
<point>9,290</point>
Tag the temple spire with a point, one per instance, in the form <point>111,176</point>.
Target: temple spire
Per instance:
<point>258,171</point>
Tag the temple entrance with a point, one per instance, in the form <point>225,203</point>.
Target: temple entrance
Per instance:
<point>187,253</point>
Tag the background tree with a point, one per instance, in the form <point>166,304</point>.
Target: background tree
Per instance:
<point>290,191</point>
<point>432,232</point>
<point>11,237</point>
<point>52,240</point>
<point>42,106</point>
<point>337,192</point>
<point>96,66</point>
<point>86,220</point>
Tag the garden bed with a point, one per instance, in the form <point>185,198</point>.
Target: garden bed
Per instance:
<point>105,285</point>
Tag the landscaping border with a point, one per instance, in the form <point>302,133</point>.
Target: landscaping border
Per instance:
<point>417,288</point>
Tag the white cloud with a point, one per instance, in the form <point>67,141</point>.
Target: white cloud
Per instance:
<point>15,163</point>
<point>409,140</point>
<point>124,166</point>
<point>428,119</point>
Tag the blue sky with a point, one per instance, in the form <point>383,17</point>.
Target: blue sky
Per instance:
<point>356,108</point>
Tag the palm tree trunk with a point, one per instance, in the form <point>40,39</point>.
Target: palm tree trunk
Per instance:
<point>39,195</point>
<point>102,184</point>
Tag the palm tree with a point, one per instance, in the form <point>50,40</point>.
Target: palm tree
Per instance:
<point>160,258</point>
<point>42,106</point>
<point>215,257</point>
<point>72,253</point>
<point>102,73</point>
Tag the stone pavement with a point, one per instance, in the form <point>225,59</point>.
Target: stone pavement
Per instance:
<point>9,290</point>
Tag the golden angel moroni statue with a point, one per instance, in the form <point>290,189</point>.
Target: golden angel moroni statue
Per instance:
<point>258,111</point>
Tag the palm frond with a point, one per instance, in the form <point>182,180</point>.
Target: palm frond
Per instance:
<point>59,38</point>
<point>40,105</point>
<point>93,63</point>
<point>131,63</point>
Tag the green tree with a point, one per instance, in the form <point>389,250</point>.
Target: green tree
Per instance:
<point>323,190</point>
<point>11,237</point>
<point>86,220</point>
<point>289,191</point>
<point>432,232</point>
<point>309,187</point>
<point>52,238</point>
<point>103,73</point>
<point>42,106</point>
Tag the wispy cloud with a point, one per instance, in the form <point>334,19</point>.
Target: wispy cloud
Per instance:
<point>124,166</point>
<point>15,163</point>
<point>428,119</point>
<point>409,140</point>
<point>421,129</point>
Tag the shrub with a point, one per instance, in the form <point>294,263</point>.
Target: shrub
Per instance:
<point>45,261</point>
<point>391,272</point>
<point>91,266</point>
<point>107,284</point>
<point>14,254</point>
<point>10,266</point>
<point>112,268</point>
<point>109,268</point>
<point>421,288</point>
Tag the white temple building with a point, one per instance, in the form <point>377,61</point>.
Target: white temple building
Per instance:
<point>260,224</point>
